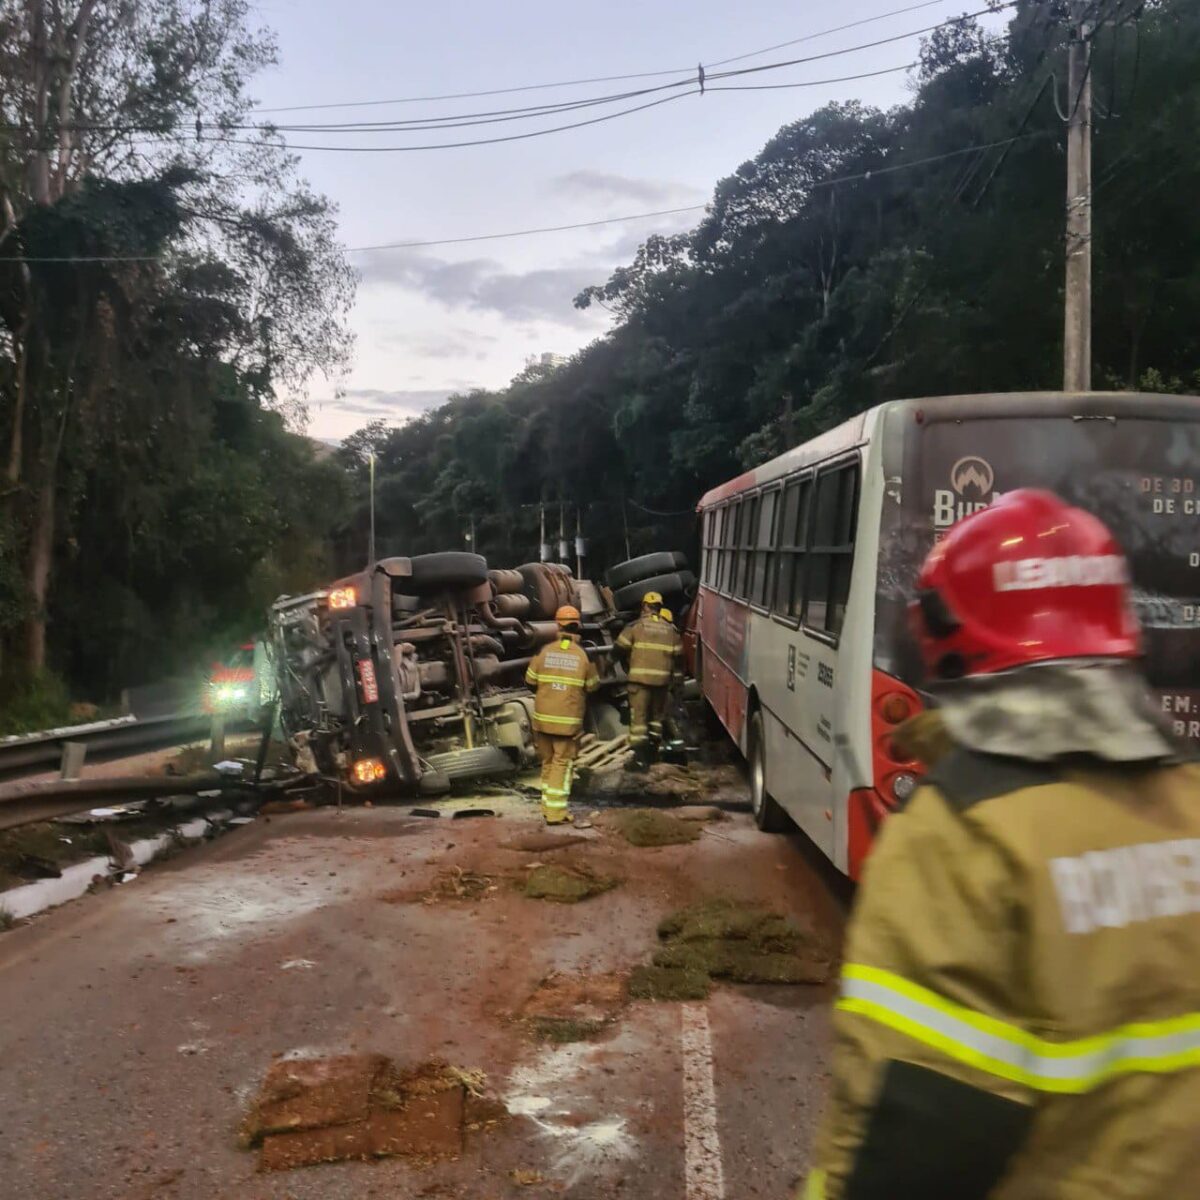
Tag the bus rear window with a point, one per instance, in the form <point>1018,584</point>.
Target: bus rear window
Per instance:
<point>1141,477</point>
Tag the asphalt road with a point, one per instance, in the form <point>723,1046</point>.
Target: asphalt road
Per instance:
<point>139,1021</point>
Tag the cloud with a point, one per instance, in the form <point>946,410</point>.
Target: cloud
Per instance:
<point>483,284</point>
<point>455,344</point>
<point>607,185</point>
<point>378,404</point>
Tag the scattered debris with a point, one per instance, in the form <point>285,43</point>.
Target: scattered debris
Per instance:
<point>457,884</point>
<point>727,939</point>
<point>666,780</point>
<point>537,843</point>
<point>462,813</point>
<point>272,807</point>
<point>698,812</point>
<point>574,1008</point>
<point>523,1178</point>
<point>423,812</point>
<point>566,885</point>
<point>298,964</point>
<point>650,827</point>
<point>648,982</point>
<point>361,1106</point>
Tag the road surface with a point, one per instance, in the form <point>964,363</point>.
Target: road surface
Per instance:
<point>139,1021</point>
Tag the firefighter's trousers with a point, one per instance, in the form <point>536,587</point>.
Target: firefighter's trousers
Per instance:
<point>557,755</point>
<point>647,710</point>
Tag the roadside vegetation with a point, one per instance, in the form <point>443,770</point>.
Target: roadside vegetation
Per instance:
<point>167,290</point>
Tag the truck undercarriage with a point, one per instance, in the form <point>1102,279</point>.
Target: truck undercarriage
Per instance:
<point>410,674</point>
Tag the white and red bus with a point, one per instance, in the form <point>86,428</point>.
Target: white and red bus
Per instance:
<point>799,634</point>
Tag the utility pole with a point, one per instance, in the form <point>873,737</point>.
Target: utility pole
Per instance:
<point>1077,306</point>
<point>371,547</point>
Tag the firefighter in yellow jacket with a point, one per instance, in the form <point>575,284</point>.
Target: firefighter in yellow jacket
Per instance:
<point>1019,1016</point>
<point>563,675</point>
<point>654,650</point>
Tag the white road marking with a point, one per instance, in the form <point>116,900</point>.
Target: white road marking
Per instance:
<point>704,1176</point>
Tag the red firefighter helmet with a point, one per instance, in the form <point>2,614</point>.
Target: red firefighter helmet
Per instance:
<point>1027,580</point>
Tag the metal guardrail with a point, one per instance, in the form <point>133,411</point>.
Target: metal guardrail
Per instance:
<point>43,750</point>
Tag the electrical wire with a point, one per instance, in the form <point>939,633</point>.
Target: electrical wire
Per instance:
<point>489,237</point>
<point>693,83</point>
<point>859,176</point>
<point>688,72</point>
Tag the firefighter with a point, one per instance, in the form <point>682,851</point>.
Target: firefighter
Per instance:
<point>563,674</point>
<point>1020,999</point>
<point>653,649</point>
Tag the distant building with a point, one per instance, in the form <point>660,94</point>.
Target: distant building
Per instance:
<point>547,360</point>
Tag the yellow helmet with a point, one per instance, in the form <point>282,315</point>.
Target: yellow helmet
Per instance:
<point>568,615</point>
<point>652,598</point>
<point>666,614</point>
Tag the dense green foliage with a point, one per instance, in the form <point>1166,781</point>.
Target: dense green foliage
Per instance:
<point>162,293</point>
<point>798,301</point>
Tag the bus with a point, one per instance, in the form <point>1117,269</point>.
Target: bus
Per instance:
<point>799,634</point>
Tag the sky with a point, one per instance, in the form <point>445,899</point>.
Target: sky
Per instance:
<point>434,320</point>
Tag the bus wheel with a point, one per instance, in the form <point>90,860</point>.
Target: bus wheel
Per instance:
<point>768,816</point>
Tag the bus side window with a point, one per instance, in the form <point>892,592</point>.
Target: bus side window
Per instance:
<point>708,566</point>
<point>729,541</point>
<point>789,578</point>
<point>745,558</point>
<point>764,550</point>
<point>832,555</point>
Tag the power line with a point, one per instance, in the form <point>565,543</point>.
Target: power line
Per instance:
<point>809,37</point>
<point>772,87</point>
<point>688,72</point>
<point>697,83</point>
<point>489,237</point>
<point>860,176</point>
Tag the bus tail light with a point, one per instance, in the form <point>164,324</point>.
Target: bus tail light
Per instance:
<point>895,775</point>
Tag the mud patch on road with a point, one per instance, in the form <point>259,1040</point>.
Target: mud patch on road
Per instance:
<point>565,884</point>
<point>648,982</point>
<point>541,843</point>
<point>650,827</point>
<point>450,885</point>
<point>362,1106</point>
<point>726,939</point>
<point>574,1008</point>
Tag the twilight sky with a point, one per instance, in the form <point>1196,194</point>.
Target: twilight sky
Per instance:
<point>437,319</point>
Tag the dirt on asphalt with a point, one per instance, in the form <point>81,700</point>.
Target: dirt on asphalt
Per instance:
<point>141,1023</point>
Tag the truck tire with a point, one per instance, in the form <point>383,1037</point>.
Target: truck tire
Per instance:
<point>448,570</point>
<point>676,584</point>
<point>604,720</point>
<point>636,569</point>
<point>471,764</point>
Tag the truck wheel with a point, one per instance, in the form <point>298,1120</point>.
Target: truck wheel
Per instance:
<point>678,583</point>
<point>635,569</point>
<point>471,764</point>
<point>768,816</point>
<point>449,569</point>
<point>604,720</point>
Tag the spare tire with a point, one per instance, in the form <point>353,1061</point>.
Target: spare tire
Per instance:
<point>470,764</point>
<point>678,583</point>
<point>636,569</point>
<point>448,570</point>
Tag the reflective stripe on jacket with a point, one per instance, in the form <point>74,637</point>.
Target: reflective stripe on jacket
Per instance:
<point>1020,1002</point>
<point>654,647</point>
<point>563,674</point>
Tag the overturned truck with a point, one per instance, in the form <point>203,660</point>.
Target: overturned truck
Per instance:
<point>410,675</point>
